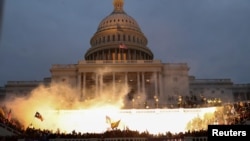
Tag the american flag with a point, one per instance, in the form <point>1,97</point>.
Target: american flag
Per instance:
<point>122,45</point>
<point>39,116</point>
<point>9,115</point>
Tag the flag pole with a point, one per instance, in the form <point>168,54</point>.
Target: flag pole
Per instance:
<point>31,124</point>
<point>119,55</point>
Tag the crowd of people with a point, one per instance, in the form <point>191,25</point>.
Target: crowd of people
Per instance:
<point>31,134</point>
<point>228,114</point>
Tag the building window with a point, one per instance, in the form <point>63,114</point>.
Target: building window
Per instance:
<point>103,39</point>
<point>108,38</point>
<point>175,79</point>
<point>118,37</point>
<point>248,95</point>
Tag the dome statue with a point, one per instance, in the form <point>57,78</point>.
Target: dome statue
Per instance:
<point>118,37</point>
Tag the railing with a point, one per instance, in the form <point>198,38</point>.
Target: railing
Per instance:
<point>242,85</point>
<point>119,62</point>
<point>63,66</point>
<point>24,82</point>
<point>211,80</point>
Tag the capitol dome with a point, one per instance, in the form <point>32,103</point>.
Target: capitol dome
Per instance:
<point>118,37</point>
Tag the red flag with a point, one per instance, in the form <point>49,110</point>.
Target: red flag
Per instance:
<point>122,45</point>
<point>39,116</point>
<point>2,113</point>
<point>9,115</point>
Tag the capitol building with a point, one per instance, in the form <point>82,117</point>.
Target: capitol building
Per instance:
<point>119,57</point>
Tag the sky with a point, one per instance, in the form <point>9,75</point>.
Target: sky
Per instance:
<point>211,36</point>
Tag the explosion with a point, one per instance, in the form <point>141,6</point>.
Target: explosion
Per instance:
<point>58,108</point>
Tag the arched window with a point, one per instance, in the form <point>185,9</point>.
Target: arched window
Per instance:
<point>118,37</point>
<point>100,39</point>
<point>103,39</point>
<point>108,38</point>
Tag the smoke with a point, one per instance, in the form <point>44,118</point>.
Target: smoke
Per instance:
<point>61,96</point>
<point>62,108</point>
<point>56,100</point>
<point>210,117</point>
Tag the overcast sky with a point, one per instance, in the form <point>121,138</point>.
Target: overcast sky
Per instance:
<point>211,36</point>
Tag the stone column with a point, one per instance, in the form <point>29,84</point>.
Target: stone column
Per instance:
<point>129,55</point>
<point>115,55</point>
<point>103,56</point>
<point>79,83</point>
<point>101,84</point>
<point>84,85</point>
<point>113,82</point>
<point>126,79</point>
<point>138,83</point>
<point>143,83</point>
<point>135,54</point>
<point>96,84</point>
<point>156,84</point>
<point>160,85</point>
<point>109,55</point>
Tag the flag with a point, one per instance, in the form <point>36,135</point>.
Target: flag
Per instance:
<point>115,124</point>
<point>127,128</point>
<point>39,116</point>
<point>122,45</point>
<point>9,115</point>
<point>2,113</point>
<point>108,119</point>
